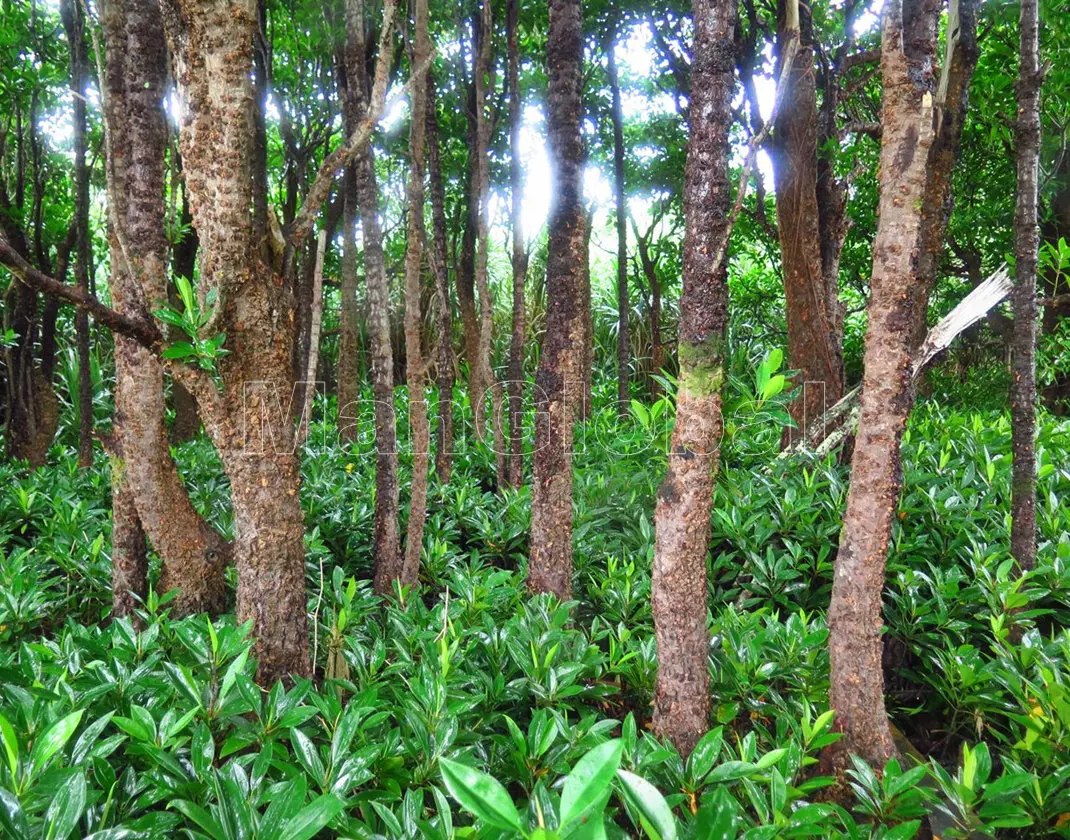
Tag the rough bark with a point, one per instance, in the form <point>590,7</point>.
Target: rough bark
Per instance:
<point>550,563</point>
<point>415,366</point>
<point>73,16</point>
<point>657,349</point>
<point>813,312</point>
<point>856,678</point>
<point>519,255</point>
<point>1023,342</point>
<point>213,47</point>
<point>623,307</point>
<point>682,511</point>
<point>145,479</point>
<point>387,541</point>
<point>349,338</point>
<point>443,309</point>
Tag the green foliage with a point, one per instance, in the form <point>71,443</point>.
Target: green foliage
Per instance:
<point>192,320</point>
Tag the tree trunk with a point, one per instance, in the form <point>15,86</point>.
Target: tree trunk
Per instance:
<point>1023,348</point>
<point>254,433</point>
<point>349,338</point>
<point>443,310</point>
<point>415,367</point>
<point>184,261</point>
<point>74,25</point>
<point>550,564</point>
<point>657,350</point>
<point>144,477</point>
<point>856,678</point>
<point>682,511</point>
<point>486,382</point>
<point>623,307</point>
<point>813,312</point>
<point>519,255</point>
<point>387,540</point>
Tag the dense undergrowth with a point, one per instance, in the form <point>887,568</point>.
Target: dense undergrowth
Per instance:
<point>112,733</point>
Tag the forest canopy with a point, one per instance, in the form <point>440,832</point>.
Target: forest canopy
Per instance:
<point>484,418</point>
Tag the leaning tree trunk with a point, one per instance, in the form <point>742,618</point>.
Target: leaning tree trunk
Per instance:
<point>623,309</point>
<point>415,367</point>
<point>519,255</point>
<point>1023,342</point>
<point>149,497</point>
<point>443,310</point>
<point>856,678</point>
<point>682,512</point>
<point>73,16</point>
<point>813,313</point>
<point>386,539</point>
<point>550,564</point>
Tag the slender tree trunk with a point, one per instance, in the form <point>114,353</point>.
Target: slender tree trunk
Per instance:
<point>466,274</point>
<point>813,312</point>
<point>856,678</point>
<point>149,497</point>
<point>623,307</point>
<point>519,255</point>
<point>585,378</point>
<point>1026,241</point>
<point>550,564</point>
<point>488,384</point>
<point>444,310</point>
<point>657,349</point>
<point>74,24</point>
<point>682,511</point>
<point>349,338</point>
<point>387,540</point>
<point>415,366</point>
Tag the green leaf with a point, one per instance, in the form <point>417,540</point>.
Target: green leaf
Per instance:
<point>66,808</point>
<point>589,780</point>
<point>653,811</point>
<point>11,746</point>
<point>313,817</point>
<point>179,350</point>
<point>195,813</point>
<point>480,795</point>
<point>774,386</point>
<point>53,740</point>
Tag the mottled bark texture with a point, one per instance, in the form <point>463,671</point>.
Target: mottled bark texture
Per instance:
<point>149,498</point>
<point>387,539</point>
<point>212,43</point>
<point>857,685</point>
<point>682,511</point>
<point>550,562</point>
<point>439,259</point>
<point>1023,342</point>
<point>623,307</point>
<point>810,235</point>
<point>415,366</point>
<point>73,16</point>
<point>519,254</point>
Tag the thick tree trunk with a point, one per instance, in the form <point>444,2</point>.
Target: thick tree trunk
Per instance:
<point>623,307</point>
<point>519,256</point>
<point>682,511</point>
<point>74,24</point>
<point>443,309</point>
<point>1026,242</point>
<point>143,473</point>
<point>415,367</point>
<point>387,540</point>
<point>550,564</point>
<point>813,312</point>
<point>253,431</point>
<point>856,678</point>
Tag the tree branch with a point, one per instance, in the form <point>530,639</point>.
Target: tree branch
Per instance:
<point>143,332</point>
